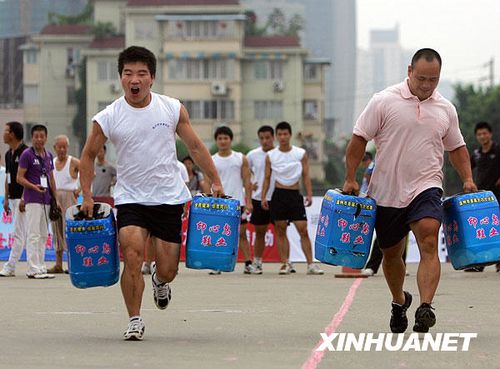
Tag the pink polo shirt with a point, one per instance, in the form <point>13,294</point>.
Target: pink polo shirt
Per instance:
<point>410,136</point>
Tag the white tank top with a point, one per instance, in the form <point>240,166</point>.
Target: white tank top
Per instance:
<point>257,163</point>
<point>63,178</point>
<point>229,169</point>
<point>286,166</point>
<point>146,161</point>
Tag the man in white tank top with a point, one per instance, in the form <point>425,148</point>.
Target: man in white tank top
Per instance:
<point>288,164</point>
<point>149,192</point>
<point>234,172</point>
<point>260,218</point>
<point>66,170</point>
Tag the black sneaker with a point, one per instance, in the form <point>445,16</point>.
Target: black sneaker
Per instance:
<point>161,292</point>
<point>399,321</point>
<point>424,318</point>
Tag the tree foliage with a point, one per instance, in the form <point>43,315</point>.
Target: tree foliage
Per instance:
<point>276,24</point>
<point>85,17</point>
<point>474,104</point>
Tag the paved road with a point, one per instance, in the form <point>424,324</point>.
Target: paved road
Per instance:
<point>236,321</point>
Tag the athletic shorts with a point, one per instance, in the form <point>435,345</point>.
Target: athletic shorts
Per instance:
<point>393,224</point>
<point>259,215</point>
<point>287,205</point>
<point>162,221</point>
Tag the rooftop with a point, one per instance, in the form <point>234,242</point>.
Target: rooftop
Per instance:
<point>114,42</point>
<point>65,29</point>
<point>181,2</point>
<point>272,41</point>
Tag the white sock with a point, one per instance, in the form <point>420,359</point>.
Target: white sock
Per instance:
<point>258,260</point>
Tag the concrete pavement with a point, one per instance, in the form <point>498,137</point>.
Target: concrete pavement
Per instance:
<point>237,321</point>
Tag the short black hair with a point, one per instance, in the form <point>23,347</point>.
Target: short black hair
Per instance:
<point>223,130</point>
<point>266,129</point>
<point>17,129</point>
<point>38,127</point>
<point>483,125</point>
<point>188,158</point>
<point>428,54</point>
<point>134,54</point>
<point>284,126</point>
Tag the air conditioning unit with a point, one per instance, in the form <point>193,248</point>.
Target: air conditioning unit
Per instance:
<point>115,87</point>
<point>278,86</point>
<point>218,88</point>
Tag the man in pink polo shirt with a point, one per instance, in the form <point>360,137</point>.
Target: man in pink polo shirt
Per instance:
<point>412,125</point>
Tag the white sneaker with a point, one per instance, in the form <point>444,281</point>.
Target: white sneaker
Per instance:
<point>407,273</point>
<point>292,268</point>
<point>146,268</point>
<point>7,273</point>
<point>44,276</point>
<point>161,292</point>
<point>285,269</point>
<point>368,271</point>
<point>135,330</point>
<point>257,268</point>
<point>215,272</point>
<point>314,269</point>
<point>249,269</point>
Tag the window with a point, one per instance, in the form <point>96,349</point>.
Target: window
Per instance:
<point>107,71</point>
<point>200,30</point>
<point>268,109</point>
<point>210,109</point>
<point>31,57</point>
<point>31,95</point>
<point>269,69</point>
<point>201,69</point>
<point>310,72</point>
<point>310,109</point>
<point>70,95</point>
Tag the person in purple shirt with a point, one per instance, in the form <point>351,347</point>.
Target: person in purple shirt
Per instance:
<point>36,175</point>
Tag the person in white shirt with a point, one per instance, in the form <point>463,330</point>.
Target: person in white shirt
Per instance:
<point>288,163</point>
<point>66,176</point>
<point>149,192</point>
<point>260,218</point>
<point>233,170</point>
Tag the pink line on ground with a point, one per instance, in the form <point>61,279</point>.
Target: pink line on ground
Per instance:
<point>317,356</point>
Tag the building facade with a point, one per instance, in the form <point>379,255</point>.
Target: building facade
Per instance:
<point>205,60</point>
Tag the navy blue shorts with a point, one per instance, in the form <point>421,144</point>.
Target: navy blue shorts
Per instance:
<point>393,224</point>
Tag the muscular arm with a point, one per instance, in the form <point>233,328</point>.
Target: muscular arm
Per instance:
<point>460,160</point>
<point>198,151</point>
<point>245,175</point>
<point>307,179</point>
<point>266,184</point>
<point>354,155</point>
<point>94,142</point>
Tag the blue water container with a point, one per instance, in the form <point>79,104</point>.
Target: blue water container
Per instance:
<point>472,230</point>
<point>93,255</point>
<point>213,233</point>
<point>345,229</point>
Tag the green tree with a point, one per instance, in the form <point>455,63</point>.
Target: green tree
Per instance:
<point>85,17</point>
<point>104,29</point>
<point>474,104</point>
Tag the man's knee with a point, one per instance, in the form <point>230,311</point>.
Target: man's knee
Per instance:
<point>166,273</point>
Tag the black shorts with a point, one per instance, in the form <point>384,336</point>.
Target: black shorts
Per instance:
<point>287,205</point>
<point>259,215</point>
<point>162,221</point>
<point>393,224</point>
